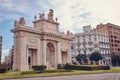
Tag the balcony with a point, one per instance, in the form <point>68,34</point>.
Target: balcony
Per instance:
<point>90,43</point>
<point>84,43</point>
<point>78,44</point>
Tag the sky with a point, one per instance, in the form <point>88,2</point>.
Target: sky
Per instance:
<point>71,14</point>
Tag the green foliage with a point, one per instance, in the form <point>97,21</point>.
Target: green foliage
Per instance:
<point>80,57</point>
<point>78,67</point>
<point>95,56</point>
<point>3,69</point>
<point>116,60</point>
<point>39,67</point>
<point>60,66</point>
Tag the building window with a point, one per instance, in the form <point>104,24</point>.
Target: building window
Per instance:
<point>115,45</point>
<point>111,36</point>
<point>90,43</point>
<point>111,40</point>
<point>95,39</point>
<point>115,36</point>
<point>89,39</point>
<point>72,47</point>
<point>90,49</point>
<point>112,45</point>
<point>96,45</point>
<point>83,40</point>
<point>118,49</point>
<point>83,36</point>
<point>113,53</point>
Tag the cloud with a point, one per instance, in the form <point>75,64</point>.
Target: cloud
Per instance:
<point>72,15</point>
<point>97,11</point>
<point>13,5</point>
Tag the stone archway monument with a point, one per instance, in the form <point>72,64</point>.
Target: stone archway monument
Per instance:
<point>41,45</point>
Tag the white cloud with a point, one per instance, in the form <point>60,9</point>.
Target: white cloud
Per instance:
<point>69,11</point>
<point>72,14</point>
<point>100,11</point>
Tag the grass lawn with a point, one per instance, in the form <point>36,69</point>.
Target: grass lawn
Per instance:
<point>74,72</point>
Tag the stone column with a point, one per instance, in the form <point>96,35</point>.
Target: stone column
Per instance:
<point>16,58</point>
<point>55,55</point>
<point>39,53</point>
<point>23,54</point>
<point>58,56</point>
<point>44,52</point>
<point>69,52</point>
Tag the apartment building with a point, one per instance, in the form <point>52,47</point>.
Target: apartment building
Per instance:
<point>90,41</point>
<point>113,31</point>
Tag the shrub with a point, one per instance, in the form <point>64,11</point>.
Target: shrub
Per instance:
<point>3,69</point>
<point>105,67</point>
<point>60,66</point>
<point>78,67</point>
<point>39,67</point>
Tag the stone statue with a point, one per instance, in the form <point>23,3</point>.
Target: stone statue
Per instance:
<point>56,19</point>
<point>16,23</point>
<point>50,11</point>
<point>22,21</point>
<point>41,16</point>
<point>50,15</point>
<point>35,17</point>
<point>68,33</point>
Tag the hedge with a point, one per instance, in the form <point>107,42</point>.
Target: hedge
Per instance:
<point>3,69</point>
<point>60,66</point>
<point>39,67</point>
<point>78,67</point>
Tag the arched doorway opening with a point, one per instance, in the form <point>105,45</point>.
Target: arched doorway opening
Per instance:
<point>50,55</point>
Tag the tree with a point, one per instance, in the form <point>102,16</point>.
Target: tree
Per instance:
<point>115,60</point>
<point>95,56</point>
<point>79,58</point>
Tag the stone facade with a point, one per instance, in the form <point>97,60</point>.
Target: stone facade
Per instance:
<point>90,41</point>
<point>41,45</point>
<point>114,36</point>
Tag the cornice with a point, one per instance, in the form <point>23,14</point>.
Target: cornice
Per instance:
<point>42,33</point>
<point>26,29</point>
<point>46,21</point>
<point>57,35</point>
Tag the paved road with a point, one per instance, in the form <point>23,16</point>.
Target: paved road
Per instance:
<point>106,76</point>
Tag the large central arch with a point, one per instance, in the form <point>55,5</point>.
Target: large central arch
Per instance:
<point>50,55</point>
